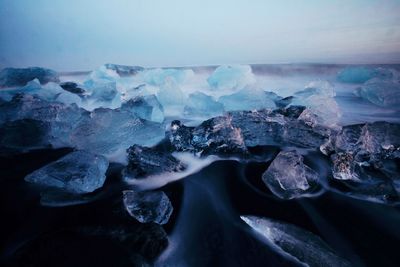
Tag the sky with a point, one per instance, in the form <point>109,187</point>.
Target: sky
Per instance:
<point>74,35</point>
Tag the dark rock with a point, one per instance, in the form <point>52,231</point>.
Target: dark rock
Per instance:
<point>67,248</point>
<point>72,88</point>
<point>284,102</point>
<point>10,77</point>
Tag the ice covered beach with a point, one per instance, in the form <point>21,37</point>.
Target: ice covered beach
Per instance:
<point>233,165</point>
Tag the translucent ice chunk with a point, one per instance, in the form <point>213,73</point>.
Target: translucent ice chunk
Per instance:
<point>10,77</point>
<point>159,76</point>
<point>106,131</point>
<point>77,172</point>
<point>381,93</point>
<point>24,135</point>
<point>248,99</point>
<point>145,107</point>
<point>202,105</point>
<point>363,74</point>
<point>322,108</point>
<point>171,98</point>
<point>102,94</point>
<point>60,118</point>
<point>288,177</point>
<point>233,77</point>
<point>304,246</point>
<point>148,206</point>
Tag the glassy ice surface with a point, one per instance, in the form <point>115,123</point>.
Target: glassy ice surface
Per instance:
<point>231,77</point>
<point>247,99</point>
<point>255,139</point>
<point>148,206</point>
<point>202,105</point>
<point>288,177</point>
<point>106,131</point>
<point>77,172</point>
<point>306,247</point>
<point>363,74</point>
<point>146,107</point>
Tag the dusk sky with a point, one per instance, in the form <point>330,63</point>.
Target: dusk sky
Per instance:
<point>83,34</point>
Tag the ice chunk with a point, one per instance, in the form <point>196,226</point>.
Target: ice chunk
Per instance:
<point>248,99</point>
<point>50,92</point>
<point>344,167</point>
<point>171,98</point>
<point>148,206</point>
<point>107,131</point>
<point>363,74</point>
<point>60,118</point>
<point>123,70</point>
<point>367,155</point>
<point>381,93</point>
<point>102,89</point>
<point>102,94</point>
<point>159,77</point>
<point>202,105</point>
<point>54,92</point>
<point>233,77</point>
<point>237,130</point>
<point>145,107</point>
<point>24,135</point>
<point>32,87</point>
<point>288,177</point>
<point>10,77</point>
<point>143,161</point>
<point>102,74</point>
<point>320,88</point>
<point>322,108</point>
<point>77,172</point>
<point>304,246</point>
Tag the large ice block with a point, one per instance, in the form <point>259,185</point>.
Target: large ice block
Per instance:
<point>77,172</point>
<point>233,77</point>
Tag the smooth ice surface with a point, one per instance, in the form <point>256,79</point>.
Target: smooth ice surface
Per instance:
<point>10,77</point>
<point>233,77</point>
<point>106,131</point>
<point>60,118</point>
<point>306,247</point>
<point>77,172</point>
<point>146,107</point>
<point>288,177</point>
<point>171,97</point>
<point>159,76</point>
<point>148,206</point>
<point>20,136</point>
<point>248,99</point>
<point>202,105</point>
<point>384,93</point>
<point>318,97</point>
<point>50,92</point>
<point>363,74</point>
